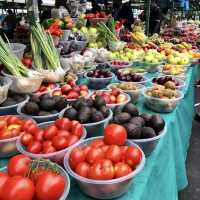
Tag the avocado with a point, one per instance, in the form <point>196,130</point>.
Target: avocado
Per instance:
<point>138,121</point>
<point>56,99</point>
<point>90,102</point>
<point>117,110</point>
<point>146,117</point>
<point>157,123</point>
<point>99,101</point>
<point>131,109</point>
<point>61,103</point>
<point>84,115</point>
<point>80,103</point>
<point>147,132</point>
<point>47,104</point>
<point>134,132</point>
<point>123,117</point>
<point>71,113</point>
<point>105,111</point>
<point>31,108</point>
<point>97,116</point>
<point>43,113</point>
<point>35,98</point>
<point>9,102</point>
<point>44,96</point>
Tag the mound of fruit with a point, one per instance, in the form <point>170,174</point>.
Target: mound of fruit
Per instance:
<point>125,86</point>
<point>12,126</point>
<point>174,70</point>
<point>130,77</point>
<point>32,179</point>
<point>44,105</point>
<point>46,87</point>
<point>117,64</point>
<point>106,158</point>
<point>72,91</point>
<point>13,99</point>
<point>115,96</point>
<point>88,110</point>
<point>99,73</point>
<point>138,126</point>
<point>167,81</point>
<point>55,137</point>
<point>163,92</point>
<point>69,77</point>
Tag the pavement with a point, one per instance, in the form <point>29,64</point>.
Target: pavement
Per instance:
<point>192,192</point>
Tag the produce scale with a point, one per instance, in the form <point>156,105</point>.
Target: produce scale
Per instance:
<point>95,111</point>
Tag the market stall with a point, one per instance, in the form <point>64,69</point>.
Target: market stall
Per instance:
<point>136,93</point>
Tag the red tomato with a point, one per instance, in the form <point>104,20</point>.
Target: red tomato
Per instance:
<point>94,155</point>
<point>3,180</point>
<point>50,186</point>
<point>18,165</point>
<point>72,139</point>
<point>63,133</point>
<point>82,169</point>
<point>101,170</point>
<point>115,134</point>
<point>105,148</point>
<point>18,188</point>
<point>49,149</point>
<point>39,135</point>
<point>77,155</point>
<point>86,149</point>
<point>3,124</point>
<point>50,132</point>
<point>46,144</point>
<point>59,142</point>
<point>26,124</point>
<point>113,153</point>
<point>97,143</point>
<point>14,120</point>
<point>74,122</point>
<point>77,129</point>
<point>122,169</point>
<point>133,156</point>
<point>15,131</point>
<point>5,134</point>
<point>63,123</point>
<point>123,152</point>
<point>32,129</point>
<point>34,147</point>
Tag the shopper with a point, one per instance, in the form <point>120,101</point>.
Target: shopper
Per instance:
<point>60,10</point>
<point>125,13</point>
<point>95,7</point>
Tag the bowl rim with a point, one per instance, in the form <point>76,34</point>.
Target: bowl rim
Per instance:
<point>161,134</point>
<point>19,108</point>
<point>15,138</point>
<point>181,82</point>
<point>22,149</point>
<point>115,104</point>
<point>7,80</point>
<point>140,86</point>
<point>180,96</point>
<point>98,79</point>
<point>93,123</point>
<point>104,182</point>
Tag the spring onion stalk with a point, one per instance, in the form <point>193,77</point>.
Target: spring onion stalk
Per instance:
<point>45,41</point>
<point>11,61</point>
<point>36,51</point>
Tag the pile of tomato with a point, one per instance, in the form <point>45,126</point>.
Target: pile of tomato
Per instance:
<point>107,158</point>
<point>12,126</point>
<point>55,137</point>
<point>31,180</point>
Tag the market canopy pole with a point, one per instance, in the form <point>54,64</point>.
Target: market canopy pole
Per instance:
<point>32,10</point>
<point>147,6</point>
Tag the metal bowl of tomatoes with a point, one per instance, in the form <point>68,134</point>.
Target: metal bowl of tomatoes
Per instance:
<point>103,184</point>
<point>51,141</point>
<point>11,126</point>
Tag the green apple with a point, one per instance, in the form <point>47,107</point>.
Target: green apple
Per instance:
<point>84,30</point>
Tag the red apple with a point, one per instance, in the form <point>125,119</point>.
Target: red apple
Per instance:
<point>83,87</point>
<point>57,93</point>
<point>66,88</point>
<point>121,98</point>
<point>72,83</point>
<point>115,91</point>
<point>76,89</point>
<point>72,95</point>
<point>112,99</point>
<point>83,93</point>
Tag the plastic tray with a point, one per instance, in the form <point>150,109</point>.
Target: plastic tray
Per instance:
<point>96,128</point>
<point>4,88</point>
<point>148,145</point>
<point>104,189</point>
<point>161,105</point>
<point>56,156</point>
<point>18,49</point>
<point>98,83</point>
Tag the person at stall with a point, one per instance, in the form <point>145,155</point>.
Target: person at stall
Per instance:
<point>9,24</point>
<point>60,10</point>
<point>125,13</point>
<point>95,7</point>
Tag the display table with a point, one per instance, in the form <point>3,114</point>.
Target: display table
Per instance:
<point>164,173</point>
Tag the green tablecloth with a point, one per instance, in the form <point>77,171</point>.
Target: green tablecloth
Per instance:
<point>164,173</point>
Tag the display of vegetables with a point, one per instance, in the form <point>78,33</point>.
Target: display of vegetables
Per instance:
<point>60,135</point>
<point>32,179</point>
